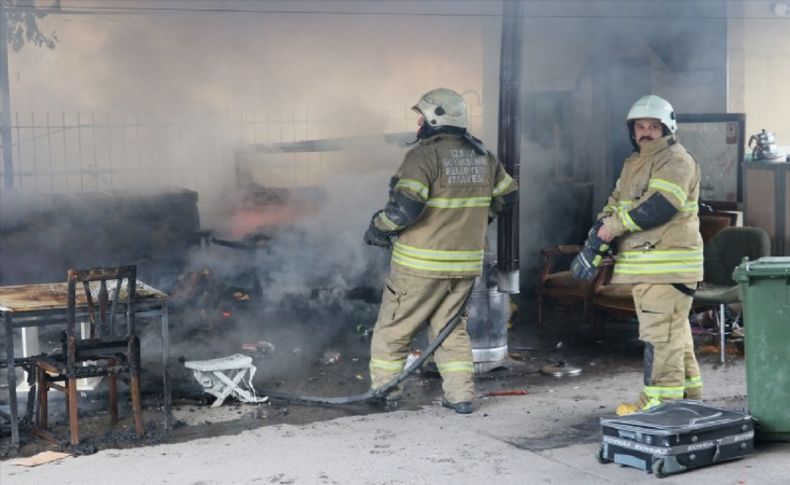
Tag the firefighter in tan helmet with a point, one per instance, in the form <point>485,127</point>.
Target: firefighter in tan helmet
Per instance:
<point>651,218</point>
<point>435,221</point>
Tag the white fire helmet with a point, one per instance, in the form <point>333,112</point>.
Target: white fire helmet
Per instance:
<point>443,107</point>
<point>652,106</point>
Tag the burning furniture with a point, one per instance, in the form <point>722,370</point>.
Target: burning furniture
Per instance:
<point>223,285</point>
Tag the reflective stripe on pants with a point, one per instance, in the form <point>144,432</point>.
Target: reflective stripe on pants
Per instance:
<point>671,370</point>
<point>407,303</point>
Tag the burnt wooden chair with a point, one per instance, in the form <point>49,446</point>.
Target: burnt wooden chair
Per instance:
<point>101,353</point>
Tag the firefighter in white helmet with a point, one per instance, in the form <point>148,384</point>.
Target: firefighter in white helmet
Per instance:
<point>651,218</point>
<point>439,207</point>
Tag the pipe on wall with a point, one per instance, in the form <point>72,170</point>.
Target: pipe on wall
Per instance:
<point>509,143</point>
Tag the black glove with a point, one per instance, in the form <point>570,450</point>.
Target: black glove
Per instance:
<point>375,236</point>
<point>585,265</point>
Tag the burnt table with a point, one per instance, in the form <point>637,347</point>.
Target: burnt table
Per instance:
<point>38,305</point>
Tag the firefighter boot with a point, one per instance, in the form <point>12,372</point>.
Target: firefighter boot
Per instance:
<point>389,401</point>
<point>626,408</point>
<point>641,404</point>
<point>693,393</point>
<point>465,407</point>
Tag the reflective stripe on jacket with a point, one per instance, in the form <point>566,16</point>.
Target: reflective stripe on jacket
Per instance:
<point>459,188</point>
<point>669,253</point>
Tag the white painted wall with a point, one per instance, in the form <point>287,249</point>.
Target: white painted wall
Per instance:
<point>766,69</point>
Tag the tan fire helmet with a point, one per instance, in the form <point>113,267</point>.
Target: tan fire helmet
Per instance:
<point>443,107</point>
<point>652,106</point>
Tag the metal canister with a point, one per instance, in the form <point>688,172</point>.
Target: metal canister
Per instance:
<point>489,312</point>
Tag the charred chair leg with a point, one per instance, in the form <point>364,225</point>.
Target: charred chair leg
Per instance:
<point>134,385</point>
<point>112,377</point>
<point>42,418</point>
<point>31,393</point>
<point>71,391</point>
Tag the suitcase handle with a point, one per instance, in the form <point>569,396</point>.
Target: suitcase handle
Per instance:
<point>626,434</point>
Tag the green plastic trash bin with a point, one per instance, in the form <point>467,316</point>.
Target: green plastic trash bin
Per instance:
<point>765,292</point>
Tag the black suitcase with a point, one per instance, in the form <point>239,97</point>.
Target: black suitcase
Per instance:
<point>676,436</point>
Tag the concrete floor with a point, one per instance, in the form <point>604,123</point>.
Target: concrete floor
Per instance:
<point>549,435</point>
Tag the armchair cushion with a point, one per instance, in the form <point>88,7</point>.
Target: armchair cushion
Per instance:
<point>555,282</point>
<point>559,283</point>
<point>563,282</point>
<point>615,297</point>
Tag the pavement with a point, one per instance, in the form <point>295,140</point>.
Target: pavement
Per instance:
<point>548,436</point>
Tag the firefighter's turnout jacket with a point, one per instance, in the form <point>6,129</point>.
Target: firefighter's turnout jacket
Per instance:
<point>668,253</point>
<point>440,201</point>
<point>663,259</point>
<point>459,188</point>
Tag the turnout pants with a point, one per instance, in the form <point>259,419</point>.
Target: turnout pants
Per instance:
<point>408,302</point>
<point>670,367</point>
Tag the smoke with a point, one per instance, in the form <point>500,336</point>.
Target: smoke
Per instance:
<point>166,98</point>
<point>312,281</point>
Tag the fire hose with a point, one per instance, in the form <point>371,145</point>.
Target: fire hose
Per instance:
<point>380,392</point>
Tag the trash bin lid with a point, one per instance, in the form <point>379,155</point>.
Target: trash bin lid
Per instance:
<point>769,266</point>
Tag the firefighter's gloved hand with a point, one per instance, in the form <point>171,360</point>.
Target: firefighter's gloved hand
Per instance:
<point>585,264</point>
<point>375,236</point>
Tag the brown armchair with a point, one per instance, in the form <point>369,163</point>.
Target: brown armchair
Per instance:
<point>725,250</point>
<point>609,299</point>
<point>560,285</point>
